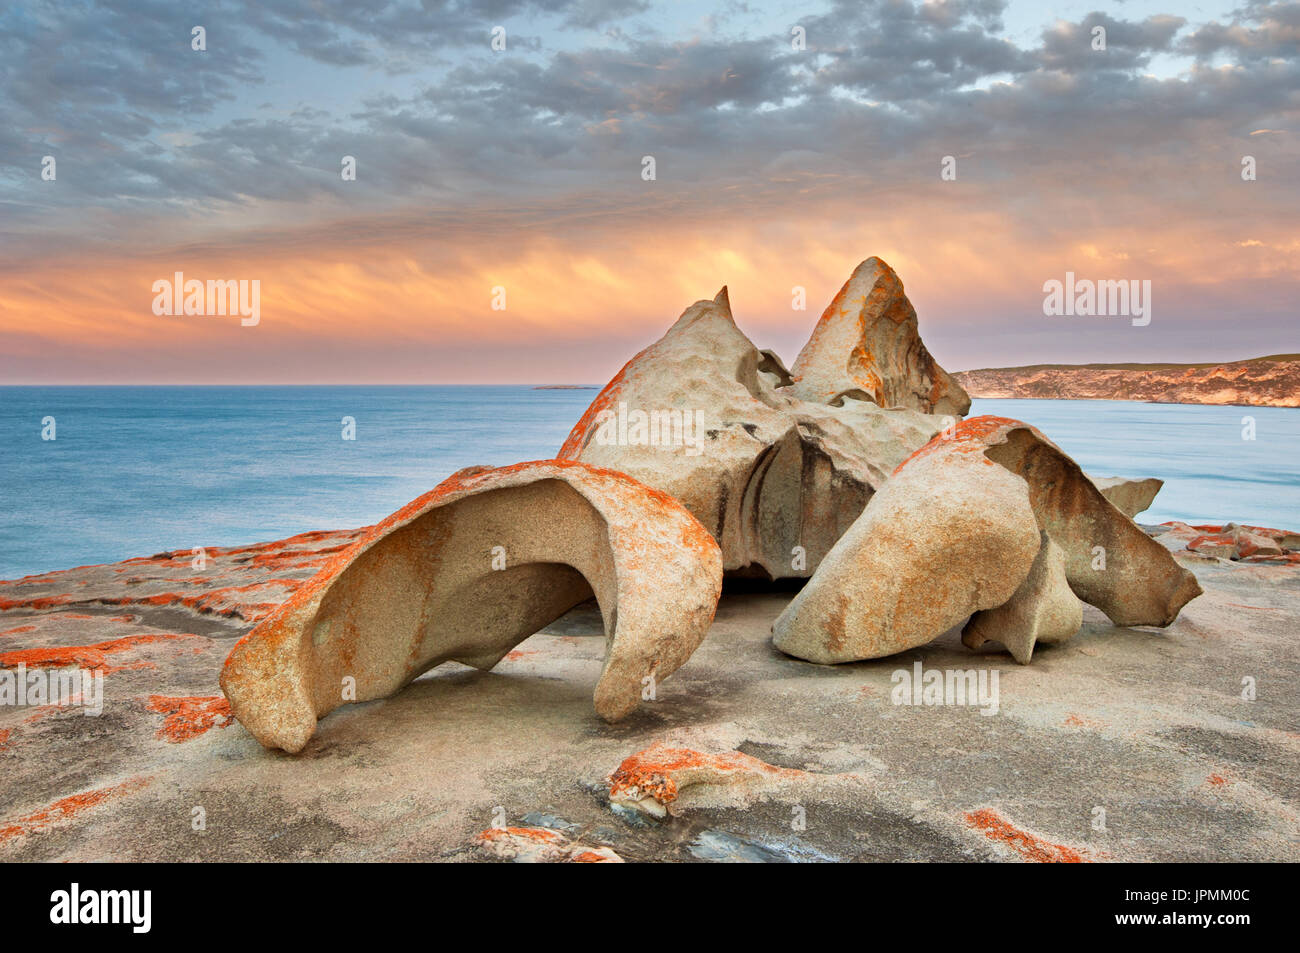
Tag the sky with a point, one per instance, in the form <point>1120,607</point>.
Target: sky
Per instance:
<point>501,228</point>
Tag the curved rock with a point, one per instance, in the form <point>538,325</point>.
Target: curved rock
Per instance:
<point>1043,610</point>
<point>948,536</point>
<point>867,344</point>
<point>468,571</point>
<point>707,417</point>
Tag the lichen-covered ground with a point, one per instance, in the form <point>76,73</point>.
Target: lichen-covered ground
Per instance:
<point>1124,744</point>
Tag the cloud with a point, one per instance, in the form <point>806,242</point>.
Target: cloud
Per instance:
<point>473,157</point>
<point>1258,31</point>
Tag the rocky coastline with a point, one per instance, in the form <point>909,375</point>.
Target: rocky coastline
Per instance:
<point>1272,381</point>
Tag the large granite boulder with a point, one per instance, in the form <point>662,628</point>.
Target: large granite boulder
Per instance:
<point>867,345</point>
<point>468,571</point>
<point>705,416</point>
<point>950,535</point>
<point>955,531</point>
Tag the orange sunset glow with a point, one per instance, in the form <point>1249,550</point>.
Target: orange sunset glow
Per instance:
<point>390,277</point>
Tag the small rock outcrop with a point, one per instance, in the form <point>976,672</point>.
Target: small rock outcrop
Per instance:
<point>468,571</point>
<point>651,781</point>
<point>1130,497</point>
<point>541,845</point>
<point>867,346</point>
<point>1232,541</point>
<point>956,531</point>
<point>664,780</point>
<point>705,416</point>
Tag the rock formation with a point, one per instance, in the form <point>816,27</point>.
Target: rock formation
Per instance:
<point>866,345</point>
<point>705,416</point>
<point>955,531</point>
<point>468,571</point>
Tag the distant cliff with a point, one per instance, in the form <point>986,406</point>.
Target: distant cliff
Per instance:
<point>1272,381</point>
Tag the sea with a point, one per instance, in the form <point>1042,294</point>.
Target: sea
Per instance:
<point>133,471</point>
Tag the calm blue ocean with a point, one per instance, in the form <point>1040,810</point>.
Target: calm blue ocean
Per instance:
<point>137,470</point>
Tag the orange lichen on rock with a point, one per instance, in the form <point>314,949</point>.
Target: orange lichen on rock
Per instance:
<point>21,628</point>
<point>543,835</point>
<point>1078,721</point>
<point>40,602</point>
<point>652,779</point>
<point>66,808</point>
<point>1029,846</point>
<point>188,717</point>
<point>87,656</point>
<point>587,856</point>
<point>226,601</point>
<point>969,436</point>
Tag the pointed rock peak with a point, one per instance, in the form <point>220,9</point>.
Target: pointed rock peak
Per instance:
<point>867,342</point>
<point>869,267</point>
<point>708,313</point>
